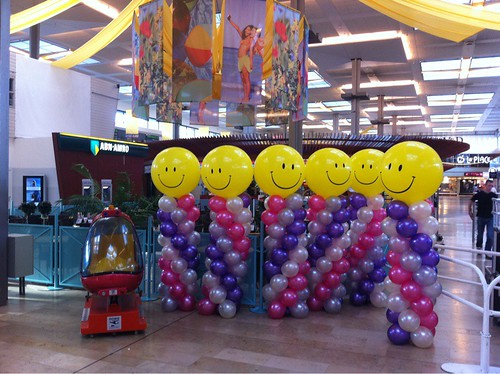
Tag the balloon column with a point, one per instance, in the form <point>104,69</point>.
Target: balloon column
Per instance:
<point>367,255</point>
<point>176,172</point>
<point>226,172</point>
<point>279,172</point>
<point>411,172</point>
<point>328,174</point>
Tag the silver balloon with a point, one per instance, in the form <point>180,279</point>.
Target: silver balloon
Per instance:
<point>315,228</point>
<point>217,294</point>
<point>410,261</point>
<point>248,228</point>
<point>433,291</point>
<point>355,274</point>
<point>208,262</point>
<point>299,310</point>
<point>333,253</point>
<point>188,277</point>
<point>178,215</point>
<point>428,225</point>
<point>186,227</point>
<point>390,286</point>
<point>397,303</point>
<point>419,210</point>
<point>194,238</point>
<point>379,287</point>
<point>332,305</point>
<point>375,202</point>
<point>324,217</point>
<point>339,291</point>
<point>333,203</point>
<point>168,304</point>
<point>245,216</point>
<point>365,214</point>
<point>213,215</point>
<point>358,226</point>
<point>286,217</point>
<point>314,276</point>
<point>345,225</point>
<point>375,253</point>
<point>378,299</point>
<point>179,265</point>
<point>354,237</point>
<point>425,276</point>
<point>290,268</point>
<point>343,242</point>
<point>298,254</point>
<point>163,240</point>
<point>227,309</point>
<point>239,270</point>
<point>232,258</point>
<point>210,280</point>
<point>409,320</point>
<point>389,226</point>
<point>276,231</point>
<point>167,203</point>
<point>169,252</point>
<point>294,201</point>
<point>192,289</point>
<point>216,230</point>
<point>234,205</point>
<point>366,265</point>
<point>303,294</point>
<point>224,243</point>
<point>398,244</point>
<point>163,290</point>
<point>270,243</point>
<point>381,240</point>
<point>279,282</point>
<point>303,240</point>
<point>422,337</point>
<point>324,265</point>
<point>268,293</point>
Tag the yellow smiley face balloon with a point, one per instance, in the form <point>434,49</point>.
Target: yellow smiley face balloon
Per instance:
<point>328,172</point>
<point>279,170</point>
<point>175,171</point>
<point>411,171</point>
<point>226,171</point>
<point>366,166</point>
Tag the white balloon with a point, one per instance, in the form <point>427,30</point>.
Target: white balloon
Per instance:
<point>163,240</point>
<point>167,203</point>
<point>419,210</point>
<point>378,299</point>
<point>397,303</point>
<point>290,268</point>
<point>334,253</point>
<point>210,280</point>
<point>234,205</point>
<point>375,202</point>
<point>279,282</point>
<point>365,214</point>
<point>389,226</point>
<point>179,265</point>
<point>324,265</point>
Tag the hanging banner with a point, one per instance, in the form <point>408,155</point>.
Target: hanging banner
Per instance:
<point>243,51</point>
<point>285,72</point>
<point>240,115</point>
<point>300,112</point>
<point>192,50</point>
<point>204,113</point>
<point>169,112</point>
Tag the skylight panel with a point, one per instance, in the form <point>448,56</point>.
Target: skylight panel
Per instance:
<point>442,65</point>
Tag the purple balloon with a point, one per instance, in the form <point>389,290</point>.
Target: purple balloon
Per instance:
<point>397,210</point>
<point>358,299</point>
<point>297,227</point>
<point>213,253</point>
<point>421,243</point>
<point>279,256</point>
<point>179,241</point>
<point>323,241</point>
<point>335,230</point>
<point>195,263</point>
<point>353,213</point>
<point>397,335</point>
<point>357,200</point>
<point>189,253</point>
<point>218,267</point>
<point>315,252</point>
<point>344,201</point>
<point>431,258</point>
<point>168,229</point>
<point>235,294</point>
<point>271,269</point>
<point>341,215</point>
<point>407,227</point>
<point>229,281</point>
<point>381,262</point>
<point>300,214</point>
<point>247,199</point>
<point>366,286</point>
<point>163,216</point>
<point>377,275</point>
<point>391,316</point>
<point>289,241</point>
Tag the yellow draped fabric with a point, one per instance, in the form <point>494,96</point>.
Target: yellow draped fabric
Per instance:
<point>217,51</point>
<point>39,13</point>
<point>167,38</point>
<point>446,20</point>
<point>109,33</point>
<point>267,64</point>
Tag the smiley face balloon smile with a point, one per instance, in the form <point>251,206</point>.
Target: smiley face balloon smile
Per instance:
<point>366,166</point>
<point>328,172</point>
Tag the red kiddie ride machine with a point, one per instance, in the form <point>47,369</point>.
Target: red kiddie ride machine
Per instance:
<point>112,270</point>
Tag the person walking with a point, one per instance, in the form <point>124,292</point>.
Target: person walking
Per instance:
<point>484,199</point>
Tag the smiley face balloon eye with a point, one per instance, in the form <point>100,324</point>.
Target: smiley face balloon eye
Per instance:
<point>175,171</point>
<point>366,166</point>
<point>328,172</point>
<point>418,174</point>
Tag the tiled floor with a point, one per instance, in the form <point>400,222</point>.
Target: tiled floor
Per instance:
<point>40,332</point>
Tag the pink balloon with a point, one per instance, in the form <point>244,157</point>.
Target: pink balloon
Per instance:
<point>314,304</point>
<point>276,310</point>
<point>169,277</point>
<point>187,303</point>
<point>244,255</point>
<point>316,203</point>
<point>206,307</point>
<point>276,203</point>
<point>304,267</point>
<point>193,214</point>
<point>357,251</point>
<point>298,282</point>
<point>374,228</point>
<point>289,297</point>
<point>422,306</point>
<point>177,290</point>
<point>205,291</point>
<point>236,231</point>
<point>379,215</point>
<point>411,290</point>
<point>225,219</point>
<point>162,263</point>
<point>243,244</point>
<point>186,202</point>
<point>268,217</point>
<point>322,292</point>
<point>341,266</point>
<point>366,241</point>
<point>353,261</point>
<point>398,275</point>
<point>217,204</point>
<point>430,320</point>
<point>311,215</point>
<point>393,258</point>
<point>331,279</point>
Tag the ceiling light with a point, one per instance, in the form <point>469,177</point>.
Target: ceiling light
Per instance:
<point>464,68</point>
<point>395,108</point>
<point>102,7</point>
<point>380,84</point>
<point>125,62</point>
<point>358,38</point>
<point>449,129</point>
<point>57,55</point>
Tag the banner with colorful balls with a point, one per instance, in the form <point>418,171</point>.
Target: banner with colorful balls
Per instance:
<point>411,172</point>
<point>328,175</point>
<point>279,172</point>
<point>226,172</point>
<point>175,172</point>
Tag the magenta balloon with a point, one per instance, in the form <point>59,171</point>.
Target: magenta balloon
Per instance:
<point>411,291</point>
<point>206,307</point>
<point>422,306</point>
<point>398,275</point>
<point>276,310</point>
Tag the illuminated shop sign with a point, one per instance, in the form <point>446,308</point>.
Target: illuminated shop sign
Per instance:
<point>473,159</point>
<point>99,146</point>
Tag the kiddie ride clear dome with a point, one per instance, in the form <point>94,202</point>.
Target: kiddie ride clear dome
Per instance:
<point>112,270</point>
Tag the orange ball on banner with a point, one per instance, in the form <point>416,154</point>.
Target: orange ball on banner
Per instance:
<point>198,45</point>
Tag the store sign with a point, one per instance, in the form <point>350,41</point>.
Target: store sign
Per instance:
<point>474,174</point>
<point>97,146</point>
<point>481,160</point>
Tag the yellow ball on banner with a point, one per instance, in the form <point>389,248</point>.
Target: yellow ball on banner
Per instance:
<point>227,171</point>
<point>366,166</point>
<point>175,171</point>
<point>411,171</point>
<point>328,172</point>
<point>279,170</point>
<point>198,45</point>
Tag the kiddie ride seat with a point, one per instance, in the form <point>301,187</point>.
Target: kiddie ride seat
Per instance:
<point>112,269</point>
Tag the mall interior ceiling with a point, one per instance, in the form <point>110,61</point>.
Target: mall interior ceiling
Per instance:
<point>458,96</point>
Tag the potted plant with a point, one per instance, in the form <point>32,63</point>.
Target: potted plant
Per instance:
<point>28,209</point>
<point>45,207</point>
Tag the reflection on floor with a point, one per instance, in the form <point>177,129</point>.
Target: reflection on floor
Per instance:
<point>40,332</point>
